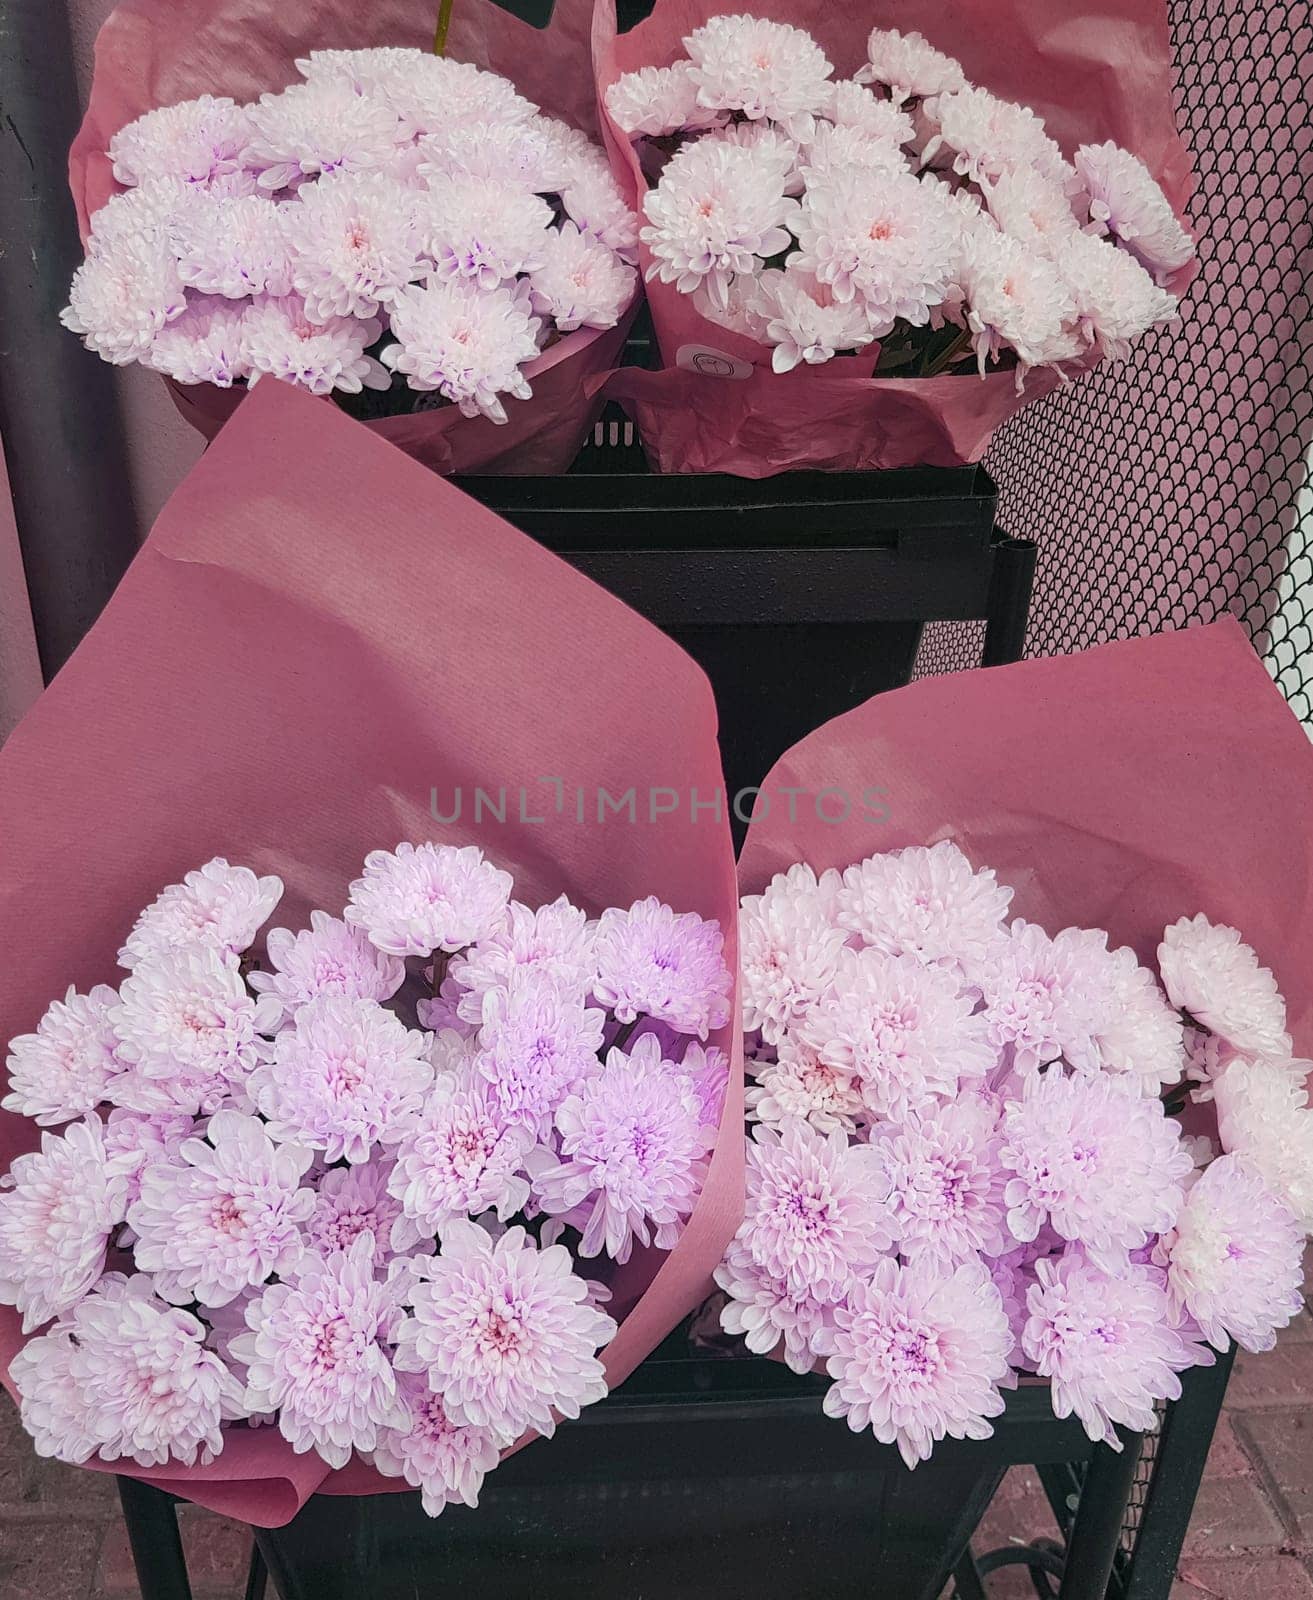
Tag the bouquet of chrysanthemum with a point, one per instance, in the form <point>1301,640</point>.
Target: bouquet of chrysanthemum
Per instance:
<point>901,222</point>
<point>966,1164</point>
<point>403,231</point>
<point>413,1181</point>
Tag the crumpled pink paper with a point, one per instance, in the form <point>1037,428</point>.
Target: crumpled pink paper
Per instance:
<point>1101,70</point>
<point>316,635</point>
<point>156,52</point>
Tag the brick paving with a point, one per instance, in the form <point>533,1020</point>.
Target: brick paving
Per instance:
<point>1251,1537</point>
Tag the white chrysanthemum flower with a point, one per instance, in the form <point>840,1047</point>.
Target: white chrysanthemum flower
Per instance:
<point>319,127</point>
<point>283,341</point>
<point>1115,298</point>
<point>851,104</point>
<point>595,201</point>
<point>1264,1118</point>
<point>483,232</point>
<point>1016,299</point>
<point>417,899</point>
<point>234,246</point>
<point>328,957</point>
<point>909,67</point>
<point>355,242</point>
<point>804,320</point>
<point>217,907</point>
<point>799,1084</point>
<point>159,205</point>
<point>761,68</point>
<point>770,144</point>
<point>1210,973</point>
<point>469,344</point>
<point>196,140</point>
<point>988,136</point>
<point>880,237</point>
<point>65,1069</point>
<point>1135,1030</point>
<point>789,952</point>
<point>657,101</point>
<point>123,294</point>
<point>529,155</point>
<point>1127,203</point>
<point>738,312</point>
<point>834,149</point>
<point>366,71</point>
<point>1032,208</point>
<point>429,93</point>
<point>720,209</point>
<point>206,344</point>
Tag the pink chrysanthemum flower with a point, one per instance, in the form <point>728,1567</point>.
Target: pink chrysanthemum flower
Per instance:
<point>1234,1258</point>
<point>538,1042</point>
<point>225,1216</point>
<point>1107,1345</point>
<point>765,1311</point>
<point>1094,1158</point>
<point>317,1353</point>
<point>351,1201</point>
<point>761,68</point>
<point>217,907</point>
<point>235,246</point>
<point>799,1084</point>
<point>652,962</point>
<point>908,67</point>
<point>1046,998</point>
<point>135,1140</point>
<point>804,320</point>
<point>789,949</point>
<point>1033,208</point>
<point>484,231</point>
<point>188,1031</point>
<point>1127,203</point>
<point>850,148</point>
<point>657,101</point>
<point>719,209</point>
<point>705,1071</point>
<point>158,207</point>
<point>417,899</point>
<point>927,903</point>
<point>945,1186</point>
<point>459,1158</point>
<point>916,1354</point>
<point>328,957</point>
<point>633,1152</point>
<point>196,140</point>
<point>816,1216</point>
<point>768,143</point>
<point>1264,1118</point>
<point>597,204</point>
<point>850,104</point>
<point>581,283</point>
<point>988,136</point>
<point>56,1212</point>
<point>446,1462</point>
<point>365,71</point>
<point>1210,973</point>
<point>51,1406</point>
<point>1016,300</point>
<point>1135,1030</point>
<point>537,156</point>
<point>905,1032</point>
<point>206,344</point>
<point>145,1385</point>
<point>315,128</point>
<point>1115,298</point>
<point>345,1077</point>
<point>879,237</point>
<point>355,241</point>
<point>468,344</point>
<point>429,93</point>
<point>66,1067</point>
<point>505,1333</point>
<point>556,939</point>
<point>282,341</point>
<point>123,294</point>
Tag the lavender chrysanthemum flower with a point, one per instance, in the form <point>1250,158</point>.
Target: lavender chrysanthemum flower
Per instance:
<point>556,939</point>
<point>804,320</point>
<point>126,1376</point>
<point>417,899</point>
<point>1116,300</point>
<point>351,1201</point>
<point>57,1209</point>
<point>927,903</point>
<point>326,958</point>
<point>633,1152</point>
<point>445,1461</point>
<point>657,101</point>
<point>909,67</point>
<point>1234,1258</point>
<point>535,156</point>
<point>1264,1118</point>
<point>799,1084</point>
<point>466,343</point>
<point>482,231</point>
<point>1094,1158</point>
<point>1210,973</point>
<point>906,1033</point>
<point>765,1311</point>
<point>917,1353</point>
<point>196,140</point>
<point>760,68</point>
<point>235,245</point>
<point>1107,1345</point>
<point>188,1031</point>
<point>1135,1030</point>
<point>816,1216</point>
<point>315,128</point>
<point>459,1158</point>
<point>217,907</point>
<point>135,1140</point>
<point>654,963</point>
<point>1043,996</point>
<point>538,1043</point>
<point>789,949</point>
<point>206,344</point>
<point>283,342</point>
<point>1127,203</point>
<point>945,1187</point>
<point>505,1333</point>
<point>317,1353</point>
<point>123,294</point>
<point>346,1077</point>
<point>597,204</point>
<point>355,241</point>
<point>427,93</point>
<point>224,1216</point>
<point>581,283</point>
<point>705,1071</point>
<point>65,1069</point>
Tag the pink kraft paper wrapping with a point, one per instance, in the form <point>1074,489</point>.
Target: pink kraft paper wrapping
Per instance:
<point>316,636</point>
<point>1099,71</point>
<point>156,52</point>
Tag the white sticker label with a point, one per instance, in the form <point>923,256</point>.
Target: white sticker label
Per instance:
<point>711,363</point>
